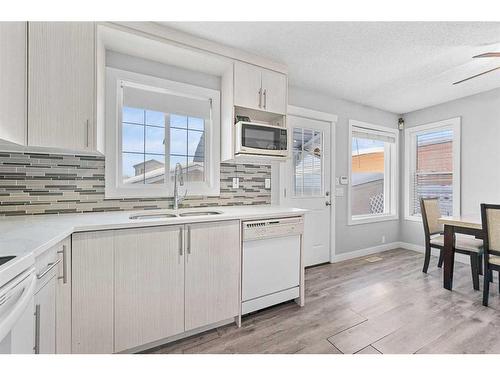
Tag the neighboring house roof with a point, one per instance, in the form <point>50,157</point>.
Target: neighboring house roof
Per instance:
<point>364,178</point>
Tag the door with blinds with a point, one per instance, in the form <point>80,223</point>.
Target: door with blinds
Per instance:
<point>308,184</point>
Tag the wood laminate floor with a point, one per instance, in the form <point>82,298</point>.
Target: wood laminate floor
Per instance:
<point>362,307</point>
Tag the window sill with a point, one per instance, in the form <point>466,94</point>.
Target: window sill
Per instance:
<point>372,219</point>
<point>417,219</point>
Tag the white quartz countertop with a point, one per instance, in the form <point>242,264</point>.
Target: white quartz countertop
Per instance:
<point>31,235</point>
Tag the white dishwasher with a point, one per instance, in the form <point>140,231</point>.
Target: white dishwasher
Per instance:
<point>271,262</point>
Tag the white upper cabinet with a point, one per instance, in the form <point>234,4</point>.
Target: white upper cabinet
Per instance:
<point>274,92</point>
<point>61,78</point>
<point>247,86</point>
<point>260,89</point>
<point>13,82</point>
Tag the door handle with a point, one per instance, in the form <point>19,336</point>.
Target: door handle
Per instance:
<point>64,277</point>
<point>87,134</point>
<point>265,98</point>
<point>328,203</point>
<point>260,97</point>
<point>49,268</point>
<point>189,241</point>
<point>36,348</point>
<point>181,241</point>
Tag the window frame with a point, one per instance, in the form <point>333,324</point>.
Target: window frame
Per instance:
<point>411,134</point>
<point>391,168</point>
<point>114,187</point>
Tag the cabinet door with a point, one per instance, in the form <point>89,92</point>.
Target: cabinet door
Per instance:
<point>92,292</point>
<point>274,86</point>
<point>45,318</point>
<point>149,285</point>
<point>63,298</point>
<point>247,86</point>
<point>61,84</point>
<point>13,82</point>
<point>212,273</point>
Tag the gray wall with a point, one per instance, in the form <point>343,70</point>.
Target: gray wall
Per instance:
<point>480,158</point>
<point>349,237</point>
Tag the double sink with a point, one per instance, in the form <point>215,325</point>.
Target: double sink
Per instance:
<point>170,215</point>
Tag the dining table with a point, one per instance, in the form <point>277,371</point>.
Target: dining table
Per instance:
<point>465,224</point>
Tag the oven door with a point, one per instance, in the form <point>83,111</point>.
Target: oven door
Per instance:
<point>260,139</point>
<point>16,314</point>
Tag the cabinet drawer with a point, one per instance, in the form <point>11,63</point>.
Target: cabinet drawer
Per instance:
<point>46,265</point>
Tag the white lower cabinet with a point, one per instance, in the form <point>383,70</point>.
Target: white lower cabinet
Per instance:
<point>212,273</point>
<point>133,287</point>
<point>149,292</point>
<point>92,292</point>
<point>45,318</point>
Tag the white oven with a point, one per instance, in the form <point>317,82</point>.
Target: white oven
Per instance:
<point>16,313</point>
<point>261,139</point>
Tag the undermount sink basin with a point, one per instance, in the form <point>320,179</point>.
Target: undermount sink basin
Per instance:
<point>199,213</point>
<point>152,216</point>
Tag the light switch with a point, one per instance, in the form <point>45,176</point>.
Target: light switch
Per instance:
<point>267,183</point>
<point>236,182</point>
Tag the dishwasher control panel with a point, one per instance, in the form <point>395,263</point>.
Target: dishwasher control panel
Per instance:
<point>260,229</point>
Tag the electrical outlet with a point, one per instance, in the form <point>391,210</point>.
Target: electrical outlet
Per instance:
<point>267,183</point>
<point>383,239</point>
<point>236,182</point>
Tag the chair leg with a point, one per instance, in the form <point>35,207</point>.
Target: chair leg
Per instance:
<point>427,258</point>
<point>441,256</point>
<point>486,286</point>
<point>475,270</point>
<point>480,259</point>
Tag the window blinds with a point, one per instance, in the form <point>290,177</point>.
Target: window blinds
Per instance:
<point>376,135</point>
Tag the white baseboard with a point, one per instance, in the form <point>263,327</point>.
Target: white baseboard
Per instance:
<point>462,258</point>
<point>391,246</point>
<point>364,252</point>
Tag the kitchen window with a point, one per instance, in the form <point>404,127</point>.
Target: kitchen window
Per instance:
<point>432,167</point>
<point>373,163</point>
<point>153,124</point>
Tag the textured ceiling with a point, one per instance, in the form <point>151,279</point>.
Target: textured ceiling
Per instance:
<point>395,66</point>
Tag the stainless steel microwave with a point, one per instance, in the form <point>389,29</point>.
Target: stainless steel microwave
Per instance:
<point>261,139</point>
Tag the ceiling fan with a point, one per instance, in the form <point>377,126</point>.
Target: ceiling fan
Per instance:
<point>487,54</point>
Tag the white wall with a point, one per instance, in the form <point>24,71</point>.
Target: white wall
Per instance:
<point>480,159</point>
<point>355,237</point>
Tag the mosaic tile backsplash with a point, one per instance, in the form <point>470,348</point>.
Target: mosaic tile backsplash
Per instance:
<point>35,183</point>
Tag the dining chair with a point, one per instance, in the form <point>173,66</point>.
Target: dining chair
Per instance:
<point>490,218</point>
<point>434,238</point>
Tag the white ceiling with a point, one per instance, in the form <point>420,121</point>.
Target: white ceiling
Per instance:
<point>395,66</point>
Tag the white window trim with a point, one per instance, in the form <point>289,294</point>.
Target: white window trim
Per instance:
<point>410,149</point>
<point>113,187</point>
<point>394,179</point>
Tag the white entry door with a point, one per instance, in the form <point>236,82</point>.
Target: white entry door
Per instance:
<point>308,184</point>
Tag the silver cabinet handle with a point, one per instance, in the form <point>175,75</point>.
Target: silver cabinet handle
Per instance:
<point>189,241</point>
<point>36,348</point>
<point>49,268</point>
<point>260,97</point>
<point>64,277</point>
<point>265,98</point>
<point>87,142</point>
<point>181,241</point>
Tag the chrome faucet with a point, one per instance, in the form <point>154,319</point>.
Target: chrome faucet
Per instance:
<point>178,176</point>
